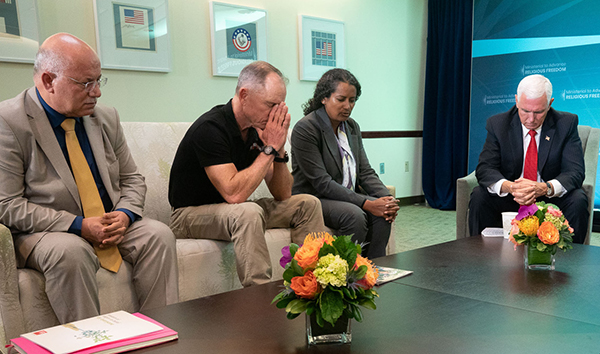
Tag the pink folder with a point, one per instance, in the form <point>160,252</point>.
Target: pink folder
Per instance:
<point>145,340</point>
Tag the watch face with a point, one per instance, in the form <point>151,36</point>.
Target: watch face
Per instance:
<point>268,150</point>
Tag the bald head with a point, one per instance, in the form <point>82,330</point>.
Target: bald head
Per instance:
<point>60,51</point>
<point>64,65</point>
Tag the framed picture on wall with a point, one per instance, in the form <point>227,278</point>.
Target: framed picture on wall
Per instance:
<point>238,37</point>
<point>133,34</point>
<point>321,46</point>
<point>19,36</point>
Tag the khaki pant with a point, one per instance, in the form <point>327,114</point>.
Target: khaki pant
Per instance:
<point>245,224</point>
<point>69,265</point>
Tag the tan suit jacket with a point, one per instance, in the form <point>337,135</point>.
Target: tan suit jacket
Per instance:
<point>38,193</point>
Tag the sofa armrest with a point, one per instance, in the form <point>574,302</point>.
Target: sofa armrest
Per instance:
<point>392,190</point>
<point>11,316</point>
<point>464,187</point>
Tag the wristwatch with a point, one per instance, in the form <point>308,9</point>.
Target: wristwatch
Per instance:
<point>283,159</point>
<point>269,150</point>
<point>549,192</point>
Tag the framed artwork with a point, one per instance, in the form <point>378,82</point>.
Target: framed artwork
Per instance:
<point>238,37</point>
<point>133,34</point>
<point>321,46</point>
<point>19,36</point>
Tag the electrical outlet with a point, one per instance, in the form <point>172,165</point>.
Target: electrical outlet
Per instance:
<point>405,166</point>
<point>382,168</point>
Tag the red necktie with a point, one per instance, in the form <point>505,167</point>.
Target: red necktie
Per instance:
<point>531,159</point>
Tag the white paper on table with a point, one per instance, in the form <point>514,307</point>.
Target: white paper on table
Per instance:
<point>90,332</point>
<point>387,274</point>
<point>493,232</point>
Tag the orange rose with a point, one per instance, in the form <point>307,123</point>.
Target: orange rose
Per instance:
<point>548,233</point>
<point>305,286</point>
<point>308,255</point>
<point>372,273</point>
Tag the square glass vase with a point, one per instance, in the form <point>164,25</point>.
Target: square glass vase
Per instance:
<point>328,334</point>
<point>536,260</point>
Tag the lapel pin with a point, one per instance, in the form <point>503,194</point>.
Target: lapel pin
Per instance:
<point>547,138</point>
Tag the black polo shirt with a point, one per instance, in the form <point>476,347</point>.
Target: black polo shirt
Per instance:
<point>213,139</point>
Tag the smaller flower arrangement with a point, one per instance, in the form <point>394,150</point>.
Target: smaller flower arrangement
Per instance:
<point>328,277</point>
<point>541,226</point>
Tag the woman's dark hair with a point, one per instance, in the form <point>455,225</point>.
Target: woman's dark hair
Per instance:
<point>327,85</point>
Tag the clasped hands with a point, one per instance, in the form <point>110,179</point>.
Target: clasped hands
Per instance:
<point>525,192</point>
<point>383,207</point>
<point>276,129</point>
<point>107,230</point>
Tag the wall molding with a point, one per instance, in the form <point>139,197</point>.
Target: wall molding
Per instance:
<point>374,134</point>
<point>417,199</point>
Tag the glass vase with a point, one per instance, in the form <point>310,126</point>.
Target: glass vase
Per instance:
<point>535,259</point>
<point>340,333</point>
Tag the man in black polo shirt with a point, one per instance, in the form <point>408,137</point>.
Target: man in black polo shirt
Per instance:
<point>223,158</point>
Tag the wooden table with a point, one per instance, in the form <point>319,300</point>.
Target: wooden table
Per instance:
<point>467,296</point>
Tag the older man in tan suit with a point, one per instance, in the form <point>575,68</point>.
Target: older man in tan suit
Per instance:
<point>45,201</point>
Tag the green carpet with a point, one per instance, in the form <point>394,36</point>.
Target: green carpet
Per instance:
<point>419,226</point>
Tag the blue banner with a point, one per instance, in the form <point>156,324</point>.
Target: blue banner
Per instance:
<point>513,39</point>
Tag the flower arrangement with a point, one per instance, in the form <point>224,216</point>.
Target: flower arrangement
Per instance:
<point>541,226</point>
<point>326,277</point>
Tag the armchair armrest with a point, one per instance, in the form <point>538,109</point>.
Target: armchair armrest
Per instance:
<point>464,187</point>
<point>11,316</point>
<point>590,156</point>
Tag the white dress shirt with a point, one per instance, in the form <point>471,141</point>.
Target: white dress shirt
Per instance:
<point>559,190</point>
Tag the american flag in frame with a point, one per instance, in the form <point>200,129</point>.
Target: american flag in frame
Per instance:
<point>321,46</point>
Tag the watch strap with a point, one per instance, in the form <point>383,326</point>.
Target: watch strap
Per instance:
<point>283,159</point>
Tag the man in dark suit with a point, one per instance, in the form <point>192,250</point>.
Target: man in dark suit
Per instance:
<point>533,153</point>
<point>43,202</point>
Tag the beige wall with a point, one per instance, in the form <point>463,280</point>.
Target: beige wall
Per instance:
<point>385,49</point>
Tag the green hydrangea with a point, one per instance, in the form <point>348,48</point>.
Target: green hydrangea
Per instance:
<point>331,270</point>
<point>554,220</point>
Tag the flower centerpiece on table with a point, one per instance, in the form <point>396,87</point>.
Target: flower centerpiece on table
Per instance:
<point>328,278</point>
<point>541,226</point>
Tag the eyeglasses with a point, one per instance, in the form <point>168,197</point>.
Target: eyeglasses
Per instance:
<point>89,86</point>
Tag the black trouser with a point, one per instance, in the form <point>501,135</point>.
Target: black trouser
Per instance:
<point>349,219</point>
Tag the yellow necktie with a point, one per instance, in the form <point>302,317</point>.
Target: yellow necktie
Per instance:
<point>110,258</point>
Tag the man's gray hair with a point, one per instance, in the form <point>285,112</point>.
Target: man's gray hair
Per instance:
<point>535,86</point>
<point>254,75</point>
<point>49,60</point>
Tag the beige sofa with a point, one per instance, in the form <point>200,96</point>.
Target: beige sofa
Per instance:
<point>206,267</point>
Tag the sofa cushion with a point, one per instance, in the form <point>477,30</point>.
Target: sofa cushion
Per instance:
<point>206,267</point>
<point>153,147</point>
<point>116,292</point>
<point>37,312</point>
